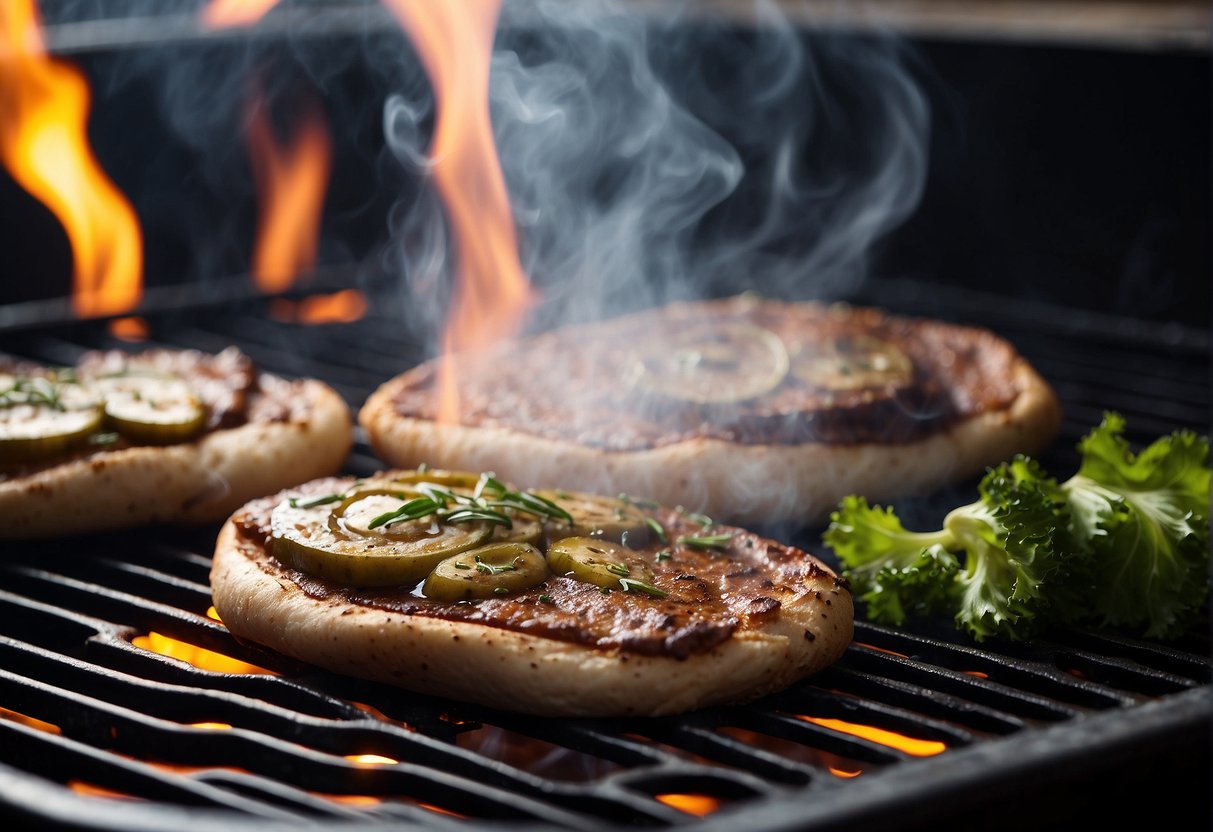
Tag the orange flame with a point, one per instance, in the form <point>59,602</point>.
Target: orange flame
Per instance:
<point>341,307</point>
<point>44,107</point>
<point>192,654</point>
<point>845,774</point>
<point>910,745</point>
<point>699,805</point>
<point>226,13</point>
<point>132,330</point>
<point>455,43</point>
<point>291,180</point>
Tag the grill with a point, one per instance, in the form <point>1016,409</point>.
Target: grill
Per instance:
<point>97,731</point>
<point>109,721</point>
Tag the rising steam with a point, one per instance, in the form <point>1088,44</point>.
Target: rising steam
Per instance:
<point>650,158</point>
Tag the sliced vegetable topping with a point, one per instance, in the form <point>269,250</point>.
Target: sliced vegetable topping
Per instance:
<point>151,409</point>
<point>851,362</point>
<point>486,572</point>
<point>41,418</point>
<point>590,515</point>
<point>713,364</point>
<point>598,562</point>
<point>403,555</point>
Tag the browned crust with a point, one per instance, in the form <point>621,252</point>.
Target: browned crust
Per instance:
<point>194,482</point>
<point>740,482</point>
<point>516,670</point>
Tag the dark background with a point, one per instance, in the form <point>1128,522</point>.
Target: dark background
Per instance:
<point>1075,176</point>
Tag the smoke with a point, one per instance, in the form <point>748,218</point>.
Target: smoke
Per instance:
<point>658,157</point>
<point>650,153</point>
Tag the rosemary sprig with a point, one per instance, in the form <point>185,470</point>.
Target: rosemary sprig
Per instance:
<point>632,585</point>
<point>707,541</point>
<point>313,502</point>
<point>414,509</point>
<point>36,390</point>
<point>641,502</point>
<point>658,530</point>
<point>489,503</point>
<point>618,569</point>
<point>473,514</point>
<point>492,569</point>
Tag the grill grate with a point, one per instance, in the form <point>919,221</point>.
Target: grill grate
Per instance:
<point>98,731</point>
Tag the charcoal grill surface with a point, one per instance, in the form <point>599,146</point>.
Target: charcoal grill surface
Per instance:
<point>1055,731</point>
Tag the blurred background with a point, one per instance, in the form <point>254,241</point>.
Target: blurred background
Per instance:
<point>1055,152</point>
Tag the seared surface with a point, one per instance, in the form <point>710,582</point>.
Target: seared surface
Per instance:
<point>571,384</point>
<point>228,384</point>
<point>712,593</point>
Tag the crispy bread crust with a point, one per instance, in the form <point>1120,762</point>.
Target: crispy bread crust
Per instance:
<point>194,482</point>
<point>514,670</point>
<point>743,483</point>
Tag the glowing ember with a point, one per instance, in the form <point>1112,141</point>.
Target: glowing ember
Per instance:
<point>438,810</point>
<point>43,143</point>
<point>351,799</point>
<point>91,790</point>
<point>380,715</point>
<point>455,43</point>
<point>29,721</point>
<point>133,330</point>
<point>881,650</point>
<point>197,656</point>
<point>910,745</point>
<point>212,726</point>
<point>225,13</point>
<point>370,760</point>
<point>699,805</point>
<point>844,774</point>
<point>342,307</point>
<point>977,673</point>
<point>291,180</point>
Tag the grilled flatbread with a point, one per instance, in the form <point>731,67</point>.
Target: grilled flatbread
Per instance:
<point>124,440</point>
<point>746,409</point>
<point>629,609</point>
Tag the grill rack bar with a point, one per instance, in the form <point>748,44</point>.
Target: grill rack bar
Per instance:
<point>67,618</point>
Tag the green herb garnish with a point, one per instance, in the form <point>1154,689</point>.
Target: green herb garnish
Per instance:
<point>657,530</point>
<point>1124,542</point>
<point>632,585</point>
<point>312,502</point>
<point>488,503</point>
<point>642,502</point>
<point>491,569</point>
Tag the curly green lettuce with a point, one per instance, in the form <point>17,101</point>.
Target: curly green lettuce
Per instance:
<point>1123,543</point>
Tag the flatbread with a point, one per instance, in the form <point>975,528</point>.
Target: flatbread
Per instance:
<point>568,408</point>
<point>739,621</point>
<point>263,433</point>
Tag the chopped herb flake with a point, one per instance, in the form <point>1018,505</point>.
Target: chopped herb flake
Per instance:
<point>657,529</point>
<point>631,585</point>
<point>313,502</point>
